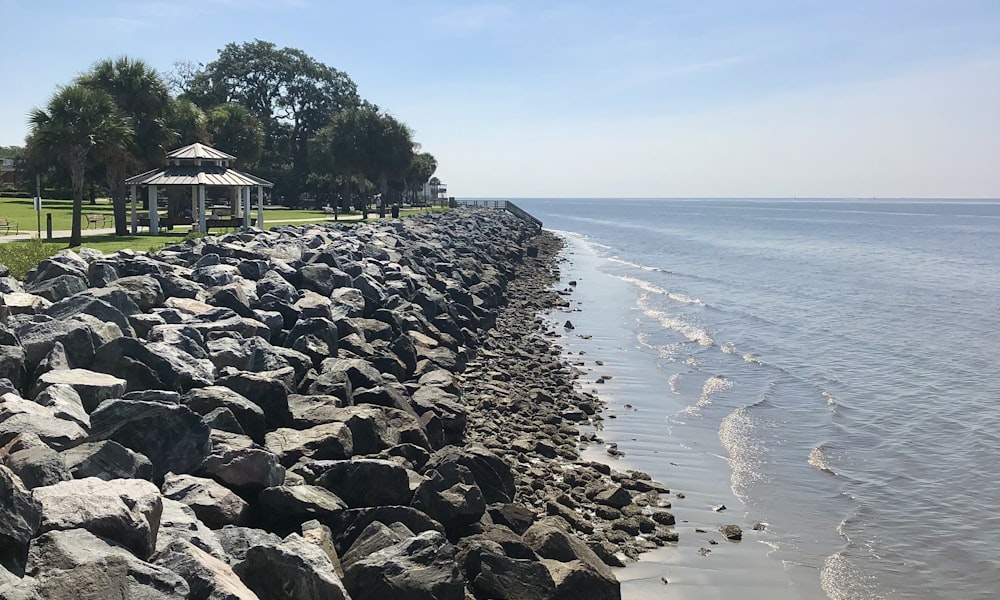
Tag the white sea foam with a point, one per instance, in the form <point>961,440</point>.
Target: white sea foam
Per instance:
<point>737,434</point>
<point>842,580</point>
<point>712,386</point>
<point>629,263</point>
<point>688,330</point>
<point>672,382</point>
<point>655,289</point>
<point>819,460</point>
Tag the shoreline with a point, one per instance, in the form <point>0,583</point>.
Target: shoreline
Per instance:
<point>636,421</point>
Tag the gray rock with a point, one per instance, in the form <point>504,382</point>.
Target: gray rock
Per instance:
<point>96,307</point>
<point>330,441</point>
<point>172,437</point>
<point>20,303</point>
<point>360,372</point>
<point>92,387</point>
<point>269,390</point>
<point>293,570</point>
<point>38,337</point>
<point>179,523</point>
<point>420,567</point>
<point>494,575</point>
<point>126,511</point>
<point>450,496</point>
<point>214,504</point>
<point>614,496</point>
<point>40,422</point>
<point>241,464</point>
<point>491,473</point>
<point>145,291</point>
<point>250,416</point>
<point>286,508</point>
<point>58,287</point>
<point>320,536</point>
<point>20,519</point>
<point>376,536</point>
<point>237,541</point>
<point>169,367</point>
<point>575,568</point>
<point>732,532</point>
<point>367,482</point>
<point>106,460</point>
<point>78,564</point>
<point>208,577</point>
<point>38,466</point>
<point>65,403</point>
<point>12,364</point>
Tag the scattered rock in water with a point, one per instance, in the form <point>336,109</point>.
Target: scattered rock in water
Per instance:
<point>732,532</point>
<point>704,551</point>
<point>719,508</point>
<point>568,325</point>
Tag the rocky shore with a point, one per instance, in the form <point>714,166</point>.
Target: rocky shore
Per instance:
<point>309,412</point>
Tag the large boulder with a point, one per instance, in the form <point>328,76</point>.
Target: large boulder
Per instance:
<point>420,567</point>
<point>124,510</point>
<point>171,436</point>
<point>367,482</point>
<point>575,568</point>
<point>449,494</point>
<point>39,334</point>
<point>268,389</point>
<point>292,570</point>
<point>208,577</point>
<point>92,387</point>
<point>157,365</point>
<point>492,474</point>
<point>330,441</point>
<point>214,504</point>
<point>39,466</point>
<point>241,464</point>
<point>20,519</point>
<point>106,460</point>
<point>207,399</point>
<point>287,507</point>
<point>78,564</point>
<point>179,523</point>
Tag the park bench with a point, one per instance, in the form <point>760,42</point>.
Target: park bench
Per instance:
<point>328,210</point>
<point>97,218</point>
<point>5,225</point>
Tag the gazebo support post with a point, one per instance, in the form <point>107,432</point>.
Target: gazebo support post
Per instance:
<point>154,216</point>
<point>194,206</point>
<point>245,207</point>
<point>134,211</point>
<point>201,209</point>
<point>260,207</point>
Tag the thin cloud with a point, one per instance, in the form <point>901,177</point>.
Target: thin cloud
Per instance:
<point>470,19</point>
<point>645,74</point>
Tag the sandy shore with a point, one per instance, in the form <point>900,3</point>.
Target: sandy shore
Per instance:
<point>703,563</point>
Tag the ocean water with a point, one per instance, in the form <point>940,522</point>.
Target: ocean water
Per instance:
<point>832,363</point>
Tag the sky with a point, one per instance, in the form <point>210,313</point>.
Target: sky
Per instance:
<point>587,98</point>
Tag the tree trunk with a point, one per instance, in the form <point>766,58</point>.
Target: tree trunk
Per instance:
<point>116,187</point>
<point>77,162</point>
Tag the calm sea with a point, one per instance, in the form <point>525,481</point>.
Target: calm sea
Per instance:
<point>839,356</point>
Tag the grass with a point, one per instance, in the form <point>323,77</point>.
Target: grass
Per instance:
<point>22,256</point>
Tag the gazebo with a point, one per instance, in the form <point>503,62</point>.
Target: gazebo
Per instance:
<point>192,176</point>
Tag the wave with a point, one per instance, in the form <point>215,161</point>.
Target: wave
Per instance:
<point>655,289</point>
<point>712,386</point>
<point>672,382</point>
<point>628,263</point>
<point>737,435</point>
<point>688,330</point>
<point>841,579</point>
<point>818,458</point>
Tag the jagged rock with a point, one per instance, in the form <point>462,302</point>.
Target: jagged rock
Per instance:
<point>78,564</point>
<point>65,403</point>
<point>214,504</point>
<point>330,441</point>
<point>92,387</point>
<point>349,524</point>
<point>106,460</point>
<point>40,334</point>
<point>732,532</point>
<point>145,291</point>
<point>359,372</point>
<point>286,508</point>
<point>12,364</point>
<point>446,406</point>
<point>57,288</point>
<point>491,473</point>
<point>237,541</point>
<point>376,536</point>
<point>614,496</point>
<point>293,570</point>
<point>250,416</point>
<point>124,510</point>
<point>515,516</point>
<point>495,575</point>
<point>19,416</point>
<point>422,566</point>
<point>21,303</point>
<point>576,570</point>
<point>309,410</point>
<point>450,496</point>
<point>269,390</point>
<point>171,436</point>
<point>320,536</point>
<point>241,464</point>
<point>88,304</point>
<point>207,576</point>
<point>367,482</point>
<point>156,365</point>
<point>38,466</point>
<point>20,519</point>
<point>179,523</point>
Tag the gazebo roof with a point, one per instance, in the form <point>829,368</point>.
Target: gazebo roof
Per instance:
<point>196,150</point>
<point>197,175</point>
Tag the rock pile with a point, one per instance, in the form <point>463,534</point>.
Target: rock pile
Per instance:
<point>310,412</point>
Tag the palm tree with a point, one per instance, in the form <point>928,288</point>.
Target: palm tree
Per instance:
<point>77,122</point>
<point>141,95</point>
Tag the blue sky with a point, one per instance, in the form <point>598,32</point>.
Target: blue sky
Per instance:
<point>633,98</point>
